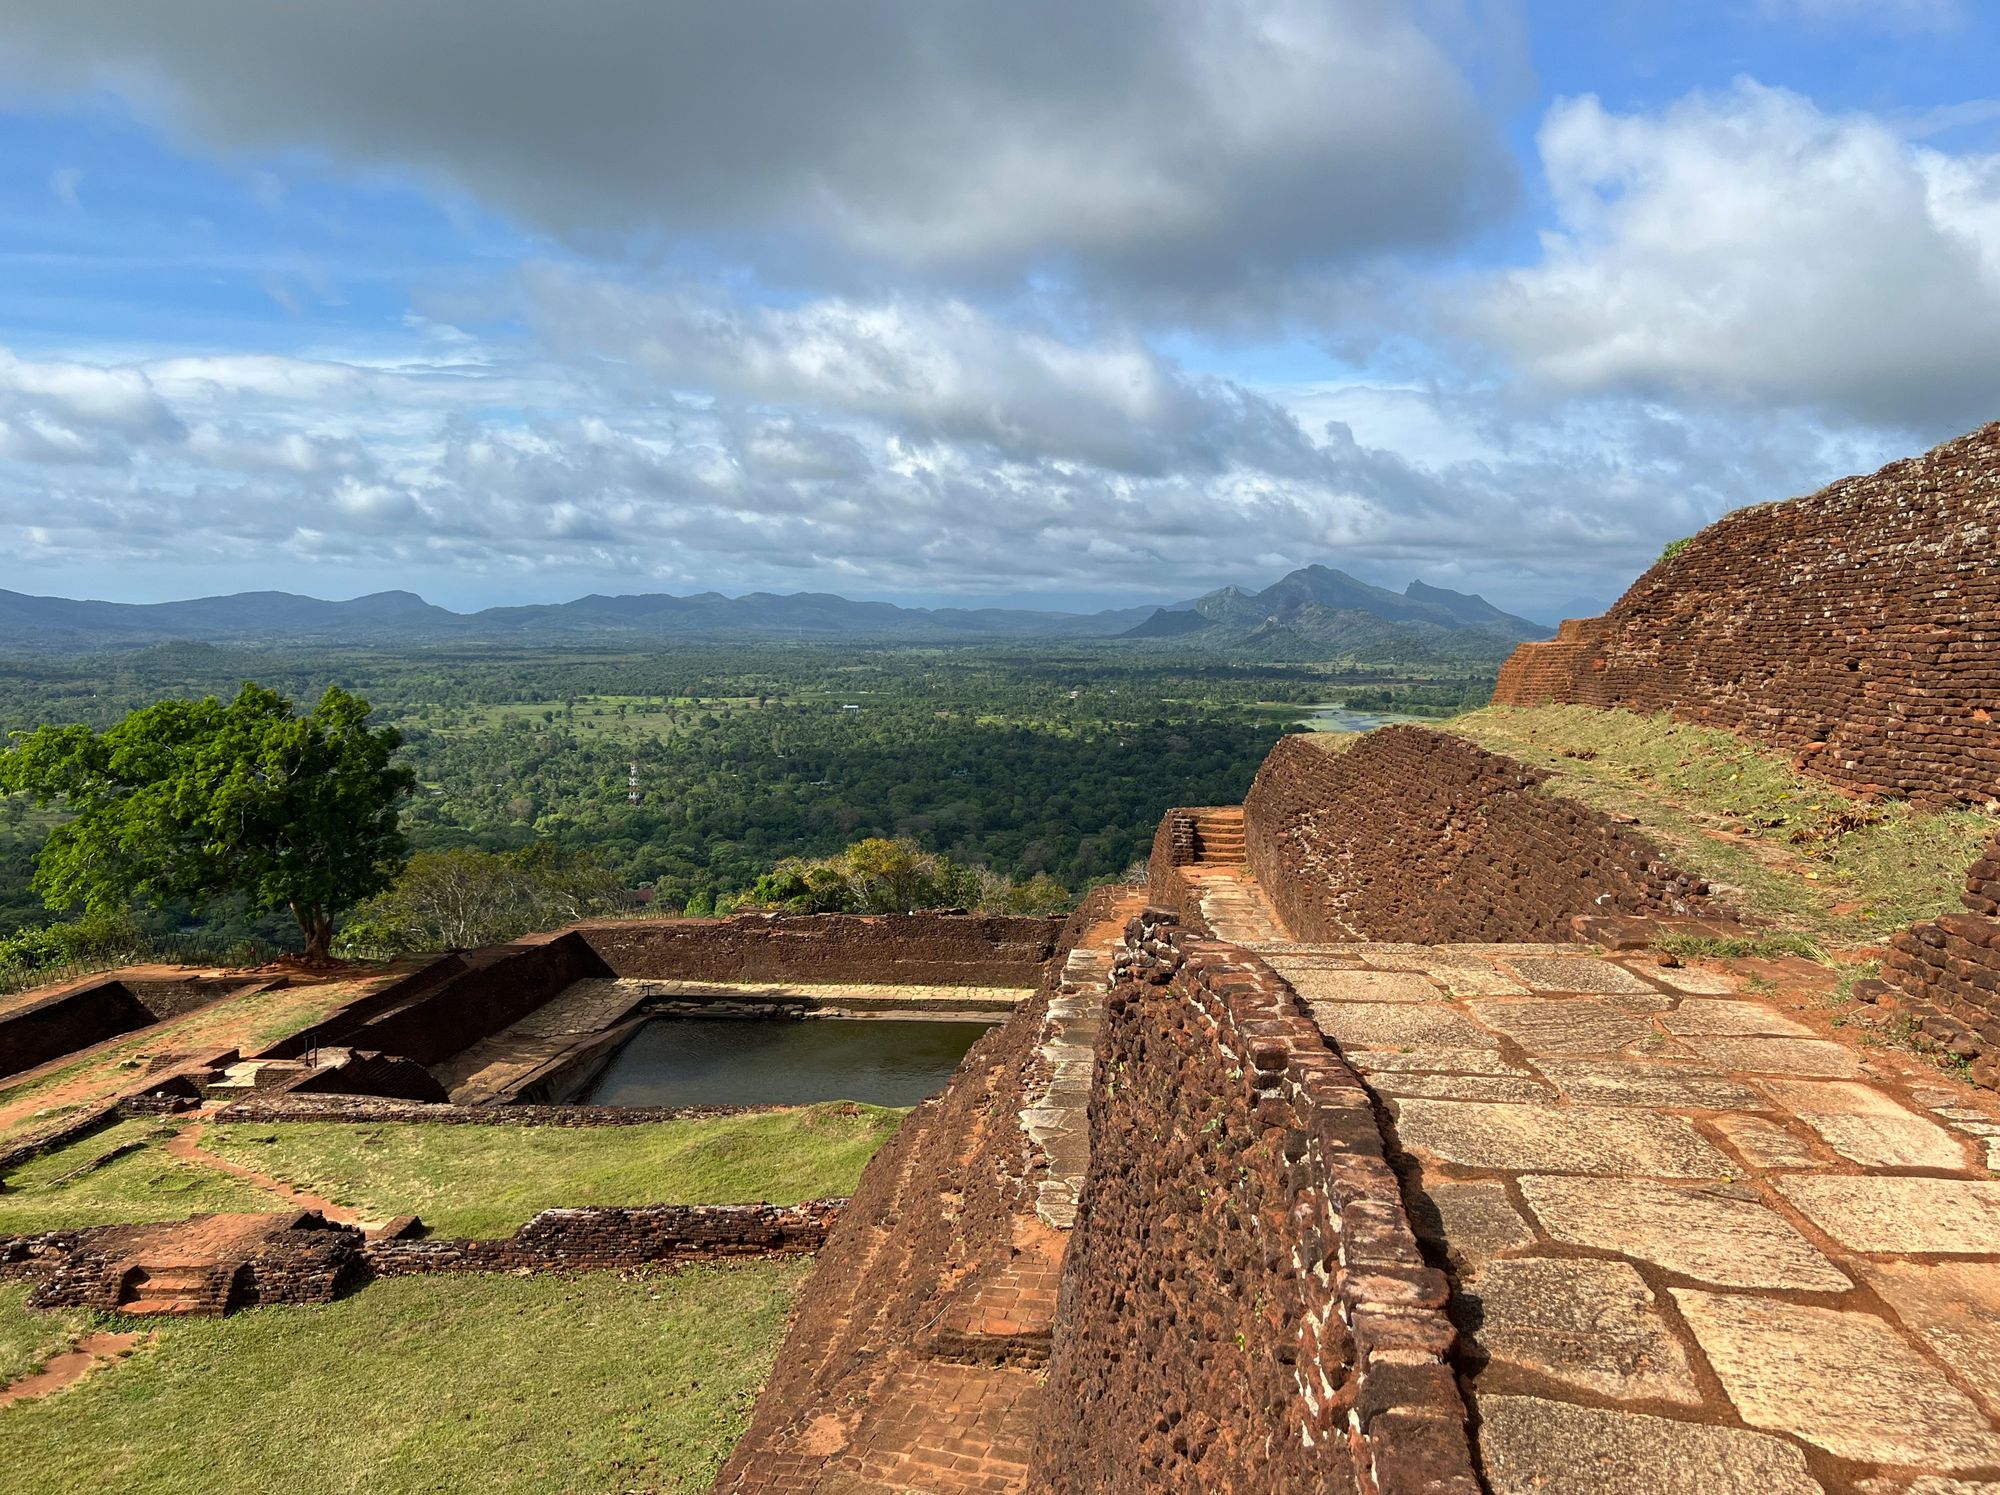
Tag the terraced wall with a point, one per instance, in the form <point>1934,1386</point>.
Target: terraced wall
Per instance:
<point>1857,628</point>
<point>1414,835</point>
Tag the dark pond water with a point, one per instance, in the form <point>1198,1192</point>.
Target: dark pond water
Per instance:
<point>706,1061</point>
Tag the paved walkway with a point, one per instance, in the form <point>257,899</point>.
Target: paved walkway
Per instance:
<point>1698,1245</point>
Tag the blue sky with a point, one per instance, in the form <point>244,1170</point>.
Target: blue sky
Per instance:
<point>1076,305</point>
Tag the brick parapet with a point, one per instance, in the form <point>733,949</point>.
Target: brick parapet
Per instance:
<point>1244,1305</point>
<point>1412,834</point>
<point>1857,628</point>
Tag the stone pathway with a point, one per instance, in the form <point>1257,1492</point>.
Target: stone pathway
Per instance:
<point>1697,1244</point>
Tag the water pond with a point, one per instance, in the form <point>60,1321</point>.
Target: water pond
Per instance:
<point>1334,717</point>
<point>704,1061</point>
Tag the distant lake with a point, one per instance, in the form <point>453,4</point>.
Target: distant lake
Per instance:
<point>1333,717</point>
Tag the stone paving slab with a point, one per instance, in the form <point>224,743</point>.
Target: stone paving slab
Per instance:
<point>1901,1216</point>
<point>1954,1307</point>
<point>1865,1126</point>
<point>1594,1325</point>
<point>1578,1026</point>
<point>1719,1233</point>
<point>1609,1141</point>
<point>1843,1381</point>
<point>1612,1082</point>
<point>1532,1446</point>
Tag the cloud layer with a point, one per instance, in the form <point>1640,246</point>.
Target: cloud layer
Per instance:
<point>1180,144</point>
<point>1749,247</point>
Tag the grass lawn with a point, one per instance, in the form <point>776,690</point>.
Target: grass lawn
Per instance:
<point>28,1338</point>
<point>599,1382</point>
<point>139,1186</point>
<point>485,1181</point>
<point>1781,845</point>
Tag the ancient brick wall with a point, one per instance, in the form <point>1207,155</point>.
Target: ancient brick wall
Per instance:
<point>931,949</point>
<point>1946,974</point>
<point>608,1237</point>
<point>483,992</point>
<point>1415,835</point>
<point>931,1221</point>
<point>69,1020</point>
<point>353,1109</point>
<point>1174,848</point>
<point>1244,1306</point>
<point>1857,628</point>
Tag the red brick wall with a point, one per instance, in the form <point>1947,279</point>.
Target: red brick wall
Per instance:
<point>1858,628</point>
<point>926,949</point>
<point>1416,835</point>
<point>931,1220</point>
<point>1946,975</point>
<point>1244,1307</point>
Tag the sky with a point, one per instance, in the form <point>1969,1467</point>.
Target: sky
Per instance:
<point>1067,303</point>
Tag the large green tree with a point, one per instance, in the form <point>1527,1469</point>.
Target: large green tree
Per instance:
<point>200,800</point>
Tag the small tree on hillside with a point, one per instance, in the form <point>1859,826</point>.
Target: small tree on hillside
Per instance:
<point>201,800</point>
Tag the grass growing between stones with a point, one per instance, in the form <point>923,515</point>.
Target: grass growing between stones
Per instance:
<point>485,1181</point>
<point>1779,844</point>
<point>27,1338</point>
<point>596,1382</point>
<point>61,1190</point>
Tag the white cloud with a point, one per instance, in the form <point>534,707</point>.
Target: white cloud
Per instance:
<point>1194,144</point>
<point>1747,246</point>
<point>63,184</point>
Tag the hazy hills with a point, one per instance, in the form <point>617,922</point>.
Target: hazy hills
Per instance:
<point>1314,610</point>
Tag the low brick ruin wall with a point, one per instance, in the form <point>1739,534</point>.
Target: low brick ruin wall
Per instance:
<point>607,1237</point>
<point>88,1012</point>
<point>1415,835</point>
<point>1946,974</point>
<point>1244,1306</point>
<point>928,949</point>
<point>369,1109</point>
<point>488,990</point>
<point>1857,628</point>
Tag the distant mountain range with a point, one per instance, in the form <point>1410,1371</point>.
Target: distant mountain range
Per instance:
<point>1315,611</point>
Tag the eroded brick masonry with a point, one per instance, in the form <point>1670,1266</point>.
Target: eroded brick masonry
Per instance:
<point>1857,628</point>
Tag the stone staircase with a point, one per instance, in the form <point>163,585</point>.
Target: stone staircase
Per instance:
<point>168,1291</point>
<point>1218,837</point>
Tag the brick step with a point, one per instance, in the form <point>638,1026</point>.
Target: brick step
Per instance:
<point>162,1288</point>
<point>159,1308</point>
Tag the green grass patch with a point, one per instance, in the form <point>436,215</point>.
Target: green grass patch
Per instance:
<point>1763,947</point>
<point>548,1384</point>
<point>485,1181</point>
<point>28,1338</point>
<point>1779,844</point>
<point>60,1190</point>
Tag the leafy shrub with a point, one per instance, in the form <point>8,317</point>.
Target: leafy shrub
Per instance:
<point>881,876</point>
<point>1675,547</point>
<point>448,900</point>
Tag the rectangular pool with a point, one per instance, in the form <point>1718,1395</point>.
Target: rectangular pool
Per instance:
<point>705,1061</point>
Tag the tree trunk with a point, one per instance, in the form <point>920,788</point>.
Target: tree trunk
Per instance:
<point>317,927</point>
